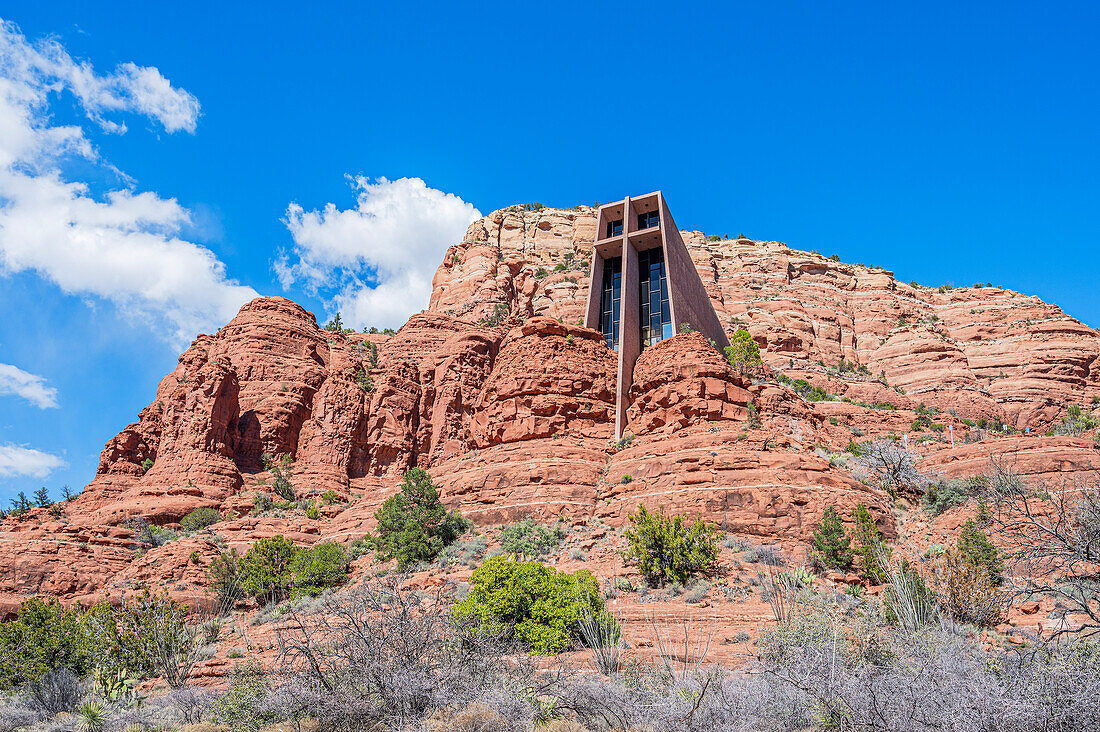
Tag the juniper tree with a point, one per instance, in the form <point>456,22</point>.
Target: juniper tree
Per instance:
<point>413,526</point>
<point>977,549</point>
<point>831,541</point>
<point>871,545</point>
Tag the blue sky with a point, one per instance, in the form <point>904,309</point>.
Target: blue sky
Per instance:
<point>949,142</point>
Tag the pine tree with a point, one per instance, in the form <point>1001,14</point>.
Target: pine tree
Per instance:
<point>871,545</point>
<point>42,498</point>
<point>977,549</point>
<point>336,325</point>
<point>830,540</point>
<point>20,505</point>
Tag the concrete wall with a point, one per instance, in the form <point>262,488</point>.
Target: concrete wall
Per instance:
<point>630,334</point>
<point>690,302</point>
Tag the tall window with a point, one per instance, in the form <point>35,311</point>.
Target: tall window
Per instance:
<point>609,301</point>
<point>656,315</point>
<point>615,228</point>
<point>647,220</point>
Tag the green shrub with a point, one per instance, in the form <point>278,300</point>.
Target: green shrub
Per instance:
<point>945,495</point>
<point>743,353</point>
<point>319,567</point>
<point>977,549</point>
<point>831,542</point>
<point>43,636</point>
<point>148,635</point>
<point>149,534</point>
<point>200,518</point>
<point>528,540</point>
<point>543,605</point>
<point>313,512</point>
<point>413,526</point>
<point>330,497</point>
<point>668,550</point>
<point>262,502</point>
<point>870,544</point>
<point>265,568</point>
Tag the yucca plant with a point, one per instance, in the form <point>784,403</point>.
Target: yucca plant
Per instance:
<point>93,718</point>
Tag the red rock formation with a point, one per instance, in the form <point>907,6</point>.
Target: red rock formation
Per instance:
<point>508,403</point>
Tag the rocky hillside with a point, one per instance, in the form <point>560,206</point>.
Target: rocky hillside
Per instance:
<point>507,402</point>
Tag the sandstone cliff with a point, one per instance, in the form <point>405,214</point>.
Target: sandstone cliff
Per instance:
<point>508,403</point>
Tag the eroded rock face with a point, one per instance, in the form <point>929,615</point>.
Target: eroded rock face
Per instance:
<point>499,392</point>
<point>549,379</point>
<point>682,381</point>
<point>983,351</point>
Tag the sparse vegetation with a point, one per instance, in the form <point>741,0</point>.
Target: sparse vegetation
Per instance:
<point>200,518</point>
<point>529,540</point>
<point>281,471</point>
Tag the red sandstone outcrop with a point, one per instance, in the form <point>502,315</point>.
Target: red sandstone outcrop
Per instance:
<point>516,419</point>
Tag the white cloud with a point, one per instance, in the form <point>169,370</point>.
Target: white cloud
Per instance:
<point>379,257</point>
<point>31,387</point>
<point>124,247</point>
<point>16,461</point>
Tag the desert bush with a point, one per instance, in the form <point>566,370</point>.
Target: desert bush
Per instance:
<point>967,592</point>
<point>242,705</point>
<point>831,542</point>
<point>265,568</point>
<point>14,715</point>
<point>321,566</point>
<point>1052,536</point>
<point>149,534</point>
<point>668,549</point>
<point>528,540</point>
<point>413,526</point>
<point>189,704</point>
<point>224,573</point>
<point>383,656</point>
<point>540,604</point>
<point>148,635</point>
<point>44,636</point>
<point>945,495</point>
<point>767,555</point>
<point>891,466</point>
<point>200,518</point>
<point>56,691</point>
